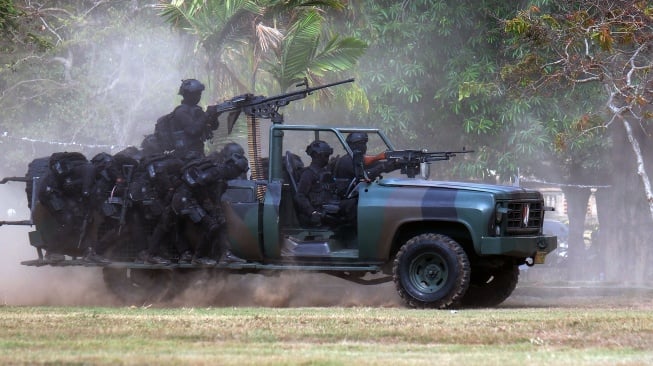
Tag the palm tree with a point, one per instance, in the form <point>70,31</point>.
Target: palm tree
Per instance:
<point>221,28</point>
<point>287,40</point>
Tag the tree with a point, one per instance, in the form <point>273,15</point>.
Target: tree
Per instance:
<point>431,76</point>
<point>108,71</point>
<point>288,40</point>
<point>609,45</point>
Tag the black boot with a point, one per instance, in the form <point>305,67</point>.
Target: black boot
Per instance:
<point>141,257</point>
<point>229,257</point>
<point>203,261</point>
<point>91,257</point>
<point>155,259</point>
<point>186,257</point>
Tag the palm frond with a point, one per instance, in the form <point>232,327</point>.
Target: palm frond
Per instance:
<point>299,47</point>
<point>338,55</point>
<point>268,37</point>
<point>175,13</point>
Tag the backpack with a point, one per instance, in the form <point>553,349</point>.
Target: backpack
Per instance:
<point>163,132</point>
<point>165,129</point>
<point>63,163</point>
<point>196,172</point>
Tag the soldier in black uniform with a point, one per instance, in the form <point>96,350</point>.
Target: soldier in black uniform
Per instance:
<point>112,196</point>
<point>198,199</point>
<point>187,127</point>
<point>316,186</point>
<point>347,167</point>
<point>162,177</point>
<point>67,194</point>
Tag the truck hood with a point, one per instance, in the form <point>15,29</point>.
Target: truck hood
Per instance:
<point>478,187</point>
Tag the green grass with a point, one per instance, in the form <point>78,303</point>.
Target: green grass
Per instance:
<point>325,336</point>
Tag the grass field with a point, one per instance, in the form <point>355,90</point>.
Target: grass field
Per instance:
<point>64,316</point>
<point>593,335</point>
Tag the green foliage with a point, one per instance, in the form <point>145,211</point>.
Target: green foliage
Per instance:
<point>431,77</point>
<point>302,53</point>
<point>593,53</point>
<point>254,44</point>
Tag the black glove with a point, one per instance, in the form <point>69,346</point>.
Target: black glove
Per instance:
<point>212,117</point>
<point>316,218</point>
<point>391,165</point>
<point>212,110</point>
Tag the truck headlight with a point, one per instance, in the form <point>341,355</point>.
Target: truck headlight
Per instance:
<point>499,212</point>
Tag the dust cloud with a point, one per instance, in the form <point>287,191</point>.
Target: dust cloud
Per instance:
<point>22,285</point>
<point>286,289</point>
<point>38,286</point>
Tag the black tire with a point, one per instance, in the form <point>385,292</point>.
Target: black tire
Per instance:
<point>37,168</point>
<point>139,286</point>
<point>431,271</point>
<point>489,288</point>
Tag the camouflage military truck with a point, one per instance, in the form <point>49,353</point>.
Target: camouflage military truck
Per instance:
<point>444,244</point>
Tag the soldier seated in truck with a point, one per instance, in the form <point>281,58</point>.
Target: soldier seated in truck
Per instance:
<point>316,200</point>
<point>350,169</point>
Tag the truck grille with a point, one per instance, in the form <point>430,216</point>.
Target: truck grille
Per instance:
<point>524,217</point>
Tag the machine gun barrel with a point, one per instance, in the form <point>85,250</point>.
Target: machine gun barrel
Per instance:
<point>417,156</point>
<point>14,179</point>
<point>410,160</point>
<point>19,222</point>
<point>266,107</point>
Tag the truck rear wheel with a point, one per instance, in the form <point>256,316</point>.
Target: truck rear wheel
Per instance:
<point>137,286</point>
<point>431,271</point>
<point>489,288</point>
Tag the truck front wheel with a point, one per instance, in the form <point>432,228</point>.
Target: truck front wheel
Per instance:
<point>431,271</point>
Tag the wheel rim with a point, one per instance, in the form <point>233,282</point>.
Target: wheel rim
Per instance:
<point>428,272</point>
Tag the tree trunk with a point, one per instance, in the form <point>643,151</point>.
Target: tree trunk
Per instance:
<point>628,234</point>
<point>641,169</point>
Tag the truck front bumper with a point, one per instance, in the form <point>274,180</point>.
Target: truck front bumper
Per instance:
<point>519,246</point>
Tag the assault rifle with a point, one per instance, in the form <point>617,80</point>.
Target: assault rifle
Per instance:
<point>265,107</point>
<point>128,173</point>
<point>409,160</point>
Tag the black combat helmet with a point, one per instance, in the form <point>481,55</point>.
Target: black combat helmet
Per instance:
<point>232,148</point>
<point>238,161</point>
<point>356,137</point>
<point>102,160</point>
<point>319,147</point>
<point>190,86</point>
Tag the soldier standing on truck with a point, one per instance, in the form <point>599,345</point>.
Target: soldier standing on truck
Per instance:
<point>198,199</point>
<point>67,194</point>
<point>228,150</point>
<point>187,127</point>
<point>161,175</point>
